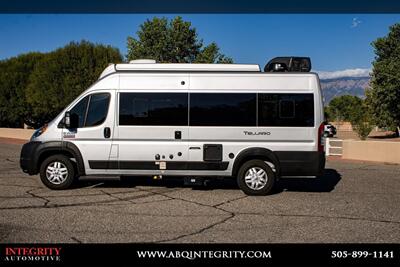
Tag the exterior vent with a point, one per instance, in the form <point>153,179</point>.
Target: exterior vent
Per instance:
<point>143,61</point>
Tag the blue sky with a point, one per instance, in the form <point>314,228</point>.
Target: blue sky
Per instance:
<point>333,41</point>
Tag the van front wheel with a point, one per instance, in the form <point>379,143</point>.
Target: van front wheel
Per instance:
<point>256,178</point>
<point>57,172</point>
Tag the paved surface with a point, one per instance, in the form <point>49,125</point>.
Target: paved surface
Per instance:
<point>353,202</point>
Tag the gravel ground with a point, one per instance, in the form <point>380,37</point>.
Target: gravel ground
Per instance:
<point>352,202</point>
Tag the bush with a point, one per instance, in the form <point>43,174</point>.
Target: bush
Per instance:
<point>363,129</point>
<point>361,121</point>
<point>14,78</point>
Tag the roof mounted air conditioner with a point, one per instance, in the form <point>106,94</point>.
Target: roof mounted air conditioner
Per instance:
<point>288,64</point>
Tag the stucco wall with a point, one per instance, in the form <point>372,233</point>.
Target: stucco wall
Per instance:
<point>381,151</point>
<point>24,134</point>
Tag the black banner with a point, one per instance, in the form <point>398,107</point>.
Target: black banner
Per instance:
<point>200,254</point>
<point>199,6</point>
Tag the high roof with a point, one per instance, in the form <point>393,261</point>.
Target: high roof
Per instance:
<point>142,65</point>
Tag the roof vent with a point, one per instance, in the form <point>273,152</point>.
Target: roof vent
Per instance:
<point>143,61</point>
<point>288,64</point>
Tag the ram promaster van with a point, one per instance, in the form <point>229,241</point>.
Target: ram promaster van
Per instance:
<point>196,121</point>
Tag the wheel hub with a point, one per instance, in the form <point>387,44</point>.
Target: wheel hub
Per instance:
<point>256,178</point>
<point>56,172</point>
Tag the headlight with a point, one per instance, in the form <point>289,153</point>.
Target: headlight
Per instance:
<point>39,131</point>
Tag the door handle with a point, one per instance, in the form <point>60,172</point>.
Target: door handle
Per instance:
<point>107,132</point>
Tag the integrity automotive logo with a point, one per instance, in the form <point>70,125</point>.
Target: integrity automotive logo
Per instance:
<point>32,254</point>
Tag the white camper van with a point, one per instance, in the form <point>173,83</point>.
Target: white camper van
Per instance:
<point>188,120</point>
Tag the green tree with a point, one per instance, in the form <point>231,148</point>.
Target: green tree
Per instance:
<point>340,108</point>
<point>14,78</point>
<point>62,75</point>
<point>172,41</point>
<point>384,95</point>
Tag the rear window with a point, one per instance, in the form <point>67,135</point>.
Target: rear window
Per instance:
<point>294,110</point>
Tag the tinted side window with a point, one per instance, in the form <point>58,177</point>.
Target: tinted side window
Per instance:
<point>296,110</point>
<point>80,110</point>
<point>153,109</point>
<point>222,109</point>
<point>98,109</point>
<point>286,109</point>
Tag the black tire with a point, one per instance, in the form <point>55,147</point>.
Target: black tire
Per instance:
<point>256,165</point>
<point>62,183</point>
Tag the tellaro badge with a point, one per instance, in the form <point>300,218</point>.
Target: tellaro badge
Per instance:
<point>256,133</point>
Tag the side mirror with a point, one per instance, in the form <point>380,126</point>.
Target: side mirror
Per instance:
<point>71,121</point>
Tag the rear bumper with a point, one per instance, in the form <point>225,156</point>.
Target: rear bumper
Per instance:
<point>301,163</point>
<point>27,160</point>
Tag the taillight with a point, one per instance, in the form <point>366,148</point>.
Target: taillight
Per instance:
<point>320,139</point>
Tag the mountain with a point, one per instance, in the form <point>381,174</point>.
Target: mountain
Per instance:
<point>344,86</point>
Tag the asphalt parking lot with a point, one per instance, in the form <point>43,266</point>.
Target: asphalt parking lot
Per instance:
<point>352,202</point>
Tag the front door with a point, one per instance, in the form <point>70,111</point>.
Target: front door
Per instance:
<point>94,135</point>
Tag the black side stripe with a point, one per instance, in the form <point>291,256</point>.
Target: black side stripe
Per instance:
<point>151,165</point>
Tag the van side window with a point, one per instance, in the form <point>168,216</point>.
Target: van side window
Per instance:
<point>295,110</point>
<point>98,109</point>
<point>153,109</point>
<point>141,107</point>
<point>222,109</point>
<point>286,109</point>
<point>94,114</point>
<point>80,110</point>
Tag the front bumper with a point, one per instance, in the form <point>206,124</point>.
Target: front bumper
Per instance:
<point>28,158</point>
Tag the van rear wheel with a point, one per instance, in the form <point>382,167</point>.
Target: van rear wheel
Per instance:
<point>256,178</point>
<point>57,172</point>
